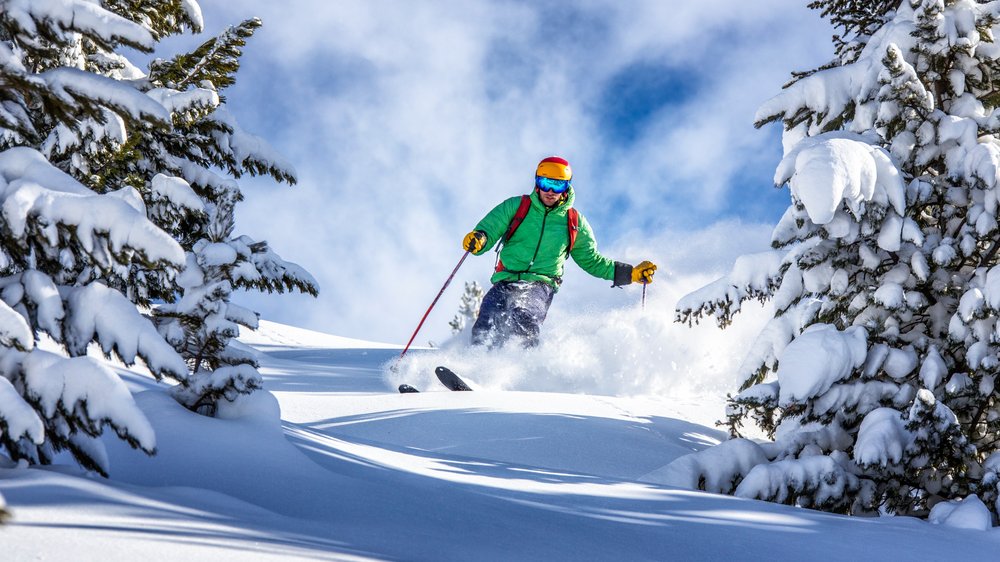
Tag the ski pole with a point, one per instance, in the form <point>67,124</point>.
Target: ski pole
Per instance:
<point>431,307</point>
<point>644,283</point>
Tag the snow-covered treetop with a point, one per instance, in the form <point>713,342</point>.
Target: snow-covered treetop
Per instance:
<point>857,20</point>
<point>215,62</point>
<point>820,101</point>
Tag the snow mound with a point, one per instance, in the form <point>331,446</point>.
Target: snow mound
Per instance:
<point>713,470</point>
<point>970,513</point>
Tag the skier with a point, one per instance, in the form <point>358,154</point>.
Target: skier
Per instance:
<point>537,233</point>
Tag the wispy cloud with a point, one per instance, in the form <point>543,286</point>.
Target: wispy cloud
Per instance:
<point>408,121</point>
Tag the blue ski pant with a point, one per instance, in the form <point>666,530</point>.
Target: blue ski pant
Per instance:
<point>512,308</point>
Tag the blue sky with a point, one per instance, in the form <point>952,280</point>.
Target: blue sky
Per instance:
<point>407,121</point>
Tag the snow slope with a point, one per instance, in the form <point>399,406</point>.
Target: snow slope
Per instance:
<point>332,463</point>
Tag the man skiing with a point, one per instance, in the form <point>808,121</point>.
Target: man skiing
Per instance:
<point>537,233</point>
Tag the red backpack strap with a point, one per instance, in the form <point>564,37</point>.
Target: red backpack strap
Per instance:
<point>573,223</point>
<point>522,211</point>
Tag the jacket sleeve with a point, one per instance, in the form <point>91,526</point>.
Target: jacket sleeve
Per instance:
<point>495,223</point>
<point>586,255</point>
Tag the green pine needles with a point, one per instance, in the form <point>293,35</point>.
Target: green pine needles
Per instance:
<point>886,264</point>
<point>123,235</point>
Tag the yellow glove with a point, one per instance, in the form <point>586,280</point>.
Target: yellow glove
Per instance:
<point>643,273</point>
<point>474,241</point>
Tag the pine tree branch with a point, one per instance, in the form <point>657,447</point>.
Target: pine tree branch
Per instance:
<point>990,254</point>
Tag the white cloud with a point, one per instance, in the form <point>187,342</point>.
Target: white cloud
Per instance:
<point>408,121</point>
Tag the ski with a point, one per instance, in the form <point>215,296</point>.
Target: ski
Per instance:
<point>450,379</point>
<point>447,378</point>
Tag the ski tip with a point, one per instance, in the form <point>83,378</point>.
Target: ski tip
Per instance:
<point>450,379</point>
<point>407,389</point>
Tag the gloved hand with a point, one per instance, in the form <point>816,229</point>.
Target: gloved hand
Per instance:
<point>643,273</point>
<point>474,241</point>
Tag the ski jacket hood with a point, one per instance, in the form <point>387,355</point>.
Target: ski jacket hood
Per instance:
<point>537,250</point>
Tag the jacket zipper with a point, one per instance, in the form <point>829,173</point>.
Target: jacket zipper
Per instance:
<point>541,235</point>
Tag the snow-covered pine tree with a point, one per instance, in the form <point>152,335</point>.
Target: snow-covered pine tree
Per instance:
<point>472,297</point>
<point>205,139</point>
<point>876,377</point>
<point>184,172</point>
<point>140,153</point>
<point>203,322</point>
<point>59,239</point>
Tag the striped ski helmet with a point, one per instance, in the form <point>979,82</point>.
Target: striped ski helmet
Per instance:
<point>555,168</point>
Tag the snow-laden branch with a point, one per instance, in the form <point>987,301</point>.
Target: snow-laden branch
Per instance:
<point>752,276</point>
<point>34,194</point>
<point>17,418</point>
<point>819,357</point>
<point>71,84</point>
<point>838,168</point>
<point>98,313</point>
<point>81,16</point>
<point>81,384</point>
<point>249,151</point>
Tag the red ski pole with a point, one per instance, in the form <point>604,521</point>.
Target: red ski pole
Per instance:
<point>431,307</point>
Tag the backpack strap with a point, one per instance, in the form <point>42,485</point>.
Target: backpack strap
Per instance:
<point>573,224</point>
<point>522,211</point>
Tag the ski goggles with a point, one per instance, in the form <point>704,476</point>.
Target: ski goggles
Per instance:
<point>549,184</point>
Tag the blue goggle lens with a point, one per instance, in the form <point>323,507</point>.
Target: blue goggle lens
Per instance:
<point>549,184</point>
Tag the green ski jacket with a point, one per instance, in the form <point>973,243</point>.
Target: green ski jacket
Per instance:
<point>537,250</point>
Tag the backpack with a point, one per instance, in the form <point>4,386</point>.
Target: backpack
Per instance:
<point>572,222</point>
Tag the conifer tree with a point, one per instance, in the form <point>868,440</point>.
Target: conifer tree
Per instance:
<point>468,310</point>
<point>203,322</point>
<point>190,199</point>
<point>876,377</point>
<point>111,197</point>
<point>60,240</point>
